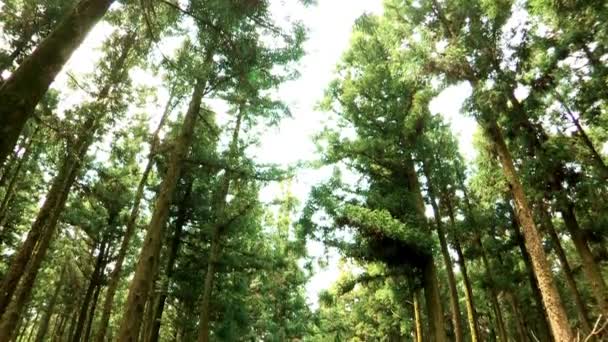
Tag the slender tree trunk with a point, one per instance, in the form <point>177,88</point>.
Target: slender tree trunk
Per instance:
<point>182,217</point>
<point>22,91</point>
<point>214,253</point>
<point>453,291</point>
<point>567,270</point>
<point>596,156</point>
<point>417,317</point>
<point>92,310</point>
<point>203,335</point>
<point>589,265</point>
<point>46,221</point>
<point>116,274</point>
<point>93,282</point>
<point>520,326</point>
<point>433,303</point>
<point>30,271</point>
<point>148,259</point>
<point>10,189</point>
<point>536,293</point>
<point>430,282</point>
<point>23,42</point>
<point>551,298</point>
<point>468,289</point>
<point>470,214</point>
<point>58,328</point>
<point>48,312</point>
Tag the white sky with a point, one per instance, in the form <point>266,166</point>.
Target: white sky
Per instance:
<point>329,23</point>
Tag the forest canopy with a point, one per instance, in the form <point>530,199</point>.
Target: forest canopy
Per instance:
<point>138,203</point>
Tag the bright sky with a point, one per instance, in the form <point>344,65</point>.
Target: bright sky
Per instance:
<point>329,23</point>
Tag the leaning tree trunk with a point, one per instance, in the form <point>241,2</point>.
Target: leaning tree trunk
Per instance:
<point>46,317</point>
<point>22,91</point>
<point>553,305</point>
<point>536,294</point>
<point>182,217</point>
<point>95,277</point>
<point>13,312</point>
<point>148,258</point>
<point>91,315</point>
<point>567,270</point>
<point>12,184</point>
<point>453,291</point>
<point>116,274</point>
<point>536,137</point>
<point>46,220</point>
<point>589,265</point>
<point>43,228</point>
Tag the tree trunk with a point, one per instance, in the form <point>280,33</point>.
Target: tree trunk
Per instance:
<point>551,298</point>
<point>417,317</point>
<point>433,304</point>
<point>46,221</point>
<point>430,282</point>
<point>536,293</point>
<point>93,282</point>
<point>115,276</point>
<point>596,156</point>
<point>589,265</point>
<point>470,214</point>
<point>182,217</point>
<point>58,328</point>
<point>203,332</point>
<point>92,310</point>
<point>567,270</point>
<point>10,189</point>
<point>22,91</point>
<point>468,289</point>
<point>520,326</point>
<point>453,291</point>
<point>219,213</point>
<point>23,42</point>
<point>46,317</point>
<point>148,259</point>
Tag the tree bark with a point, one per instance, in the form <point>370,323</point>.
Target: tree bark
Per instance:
<point>92,310</point>
<point>431,287</point>
<point>148,259</point>
<point>520,326</point>
<point>182,217</point>
<point>45,224</point>
<point>596,156</point>
<point>116,274</point>
<point>470,214</point>
<point>93,282</point>
<point>10,189</point>
<point>567,270</point>
<point>534,285</point>
<point>219,213</point>
<point>22,91</point>
<point>417,317</point>
<point>468,289</point>
<point>48,312</point>
<point>447,260</point>
<point>590,267</point>
<point>553,305</point>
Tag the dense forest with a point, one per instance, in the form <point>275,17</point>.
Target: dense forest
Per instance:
<point>130,192</point>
